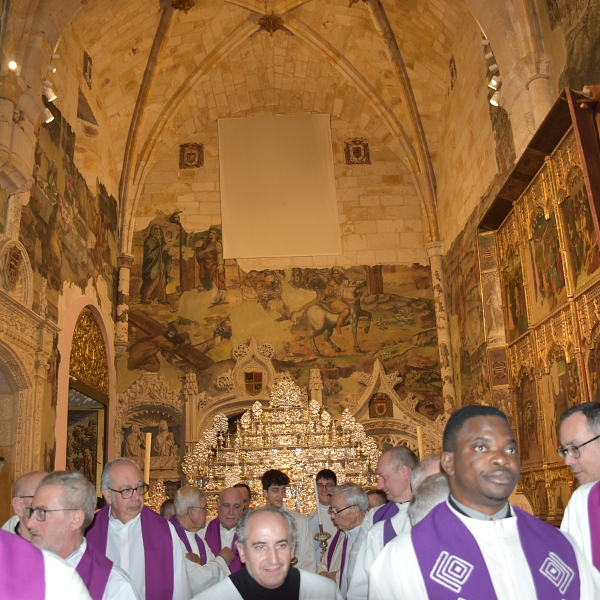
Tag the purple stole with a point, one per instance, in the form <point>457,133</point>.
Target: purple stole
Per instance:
<point>385,512</point>
<point>158,550</point>
<point>451,562</point>
<point>94,568</point>
<point>22,569</point>
<point>594,518</point>
<point>213,539</point>
<point>332,547</point>
<point>179,528</point>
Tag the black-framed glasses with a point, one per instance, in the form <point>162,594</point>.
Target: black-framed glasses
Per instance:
<point>40,513</point>
<point>325,486</point>
<point>573,451</point>
<point>336,512</point>
<point>128,492</point>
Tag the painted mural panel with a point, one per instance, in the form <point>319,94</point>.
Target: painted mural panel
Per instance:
<point>582,241</point>
<point>515,307</point>
<point>70,231</point>
<point>561,389</point>
<point>492,303</point>
<point>545,268</point>
<point>466,312</point>
<point>530,433</point>
<point>189,308</point>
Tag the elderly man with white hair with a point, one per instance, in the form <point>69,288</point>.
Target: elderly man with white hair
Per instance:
<point>203,567</point>
<point>140,541</point>
<point>348,507</point>
<point>432,490</point>
<point>61,510</point>
<point>266,541</point>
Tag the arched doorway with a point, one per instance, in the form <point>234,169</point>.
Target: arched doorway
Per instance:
<point>9,409</point>
<point>88,400</point>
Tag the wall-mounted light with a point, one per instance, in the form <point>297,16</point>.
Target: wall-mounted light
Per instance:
<point>485,42</point>
<point>55,56</point>
<point>49,115</point>
<point>493,68</point>
<point>489,55</point>
<point>495,82</point>
<point>12,66</point>
<point>51,69</point>
<point>50,95</point>
<point>1,463</point>
<point>495,99</point>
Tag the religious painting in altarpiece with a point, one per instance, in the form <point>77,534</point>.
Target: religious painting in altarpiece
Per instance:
<point>549,265</point>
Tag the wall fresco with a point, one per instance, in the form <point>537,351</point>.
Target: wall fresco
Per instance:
<point>335,319</point>
<point>70,231</point>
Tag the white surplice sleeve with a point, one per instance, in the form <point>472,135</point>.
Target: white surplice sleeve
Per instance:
<point>181,582</point>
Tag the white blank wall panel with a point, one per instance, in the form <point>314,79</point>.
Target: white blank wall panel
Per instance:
<point>278,187</point>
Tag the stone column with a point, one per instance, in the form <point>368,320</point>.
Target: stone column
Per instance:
<point>434,252</point>
<point>124,262</point>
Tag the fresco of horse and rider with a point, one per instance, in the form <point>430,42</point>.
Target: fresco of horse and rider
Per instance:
<point>335,318</point>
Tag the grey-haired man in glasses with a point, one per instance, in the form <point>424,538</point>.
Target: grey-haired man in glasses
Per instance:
<point>580,449</point>
<point>135,538</point>
<point>23,492</point>
<point>63,506</point>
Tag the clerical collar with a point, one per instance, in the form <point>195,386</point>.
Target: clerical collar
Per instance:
<point>503,513</point>
<point>250,589</point>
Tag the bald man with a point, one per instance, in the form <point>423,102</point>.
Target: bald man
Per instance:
<point>220,532</point>
<point>23,493</point>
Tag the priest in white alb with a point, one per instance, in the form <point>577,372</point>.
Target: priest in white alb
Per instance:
<point>580,448</point>
<point>140,541</point>
<point>326,480</point>
<point>349,505</point>
<point>203,567</point>
<point>394,470</point>
<point>476,545</point>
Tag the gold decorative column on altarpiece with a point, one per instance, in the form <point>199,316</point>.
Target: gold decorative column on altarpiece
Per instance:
<point>293,435</point>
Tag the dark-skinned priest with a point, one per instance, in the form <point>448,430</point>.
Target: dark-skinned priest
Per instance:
<point>266,541</point>
<point>476,545</point>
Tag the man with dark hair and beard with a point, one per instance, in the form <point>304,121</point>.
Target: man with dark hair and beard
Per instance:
<point>476,545</point>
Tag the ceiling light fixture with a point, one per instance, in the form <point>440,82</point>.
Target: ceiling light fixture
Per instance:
<point>495,99</point>
<point>49,115</point>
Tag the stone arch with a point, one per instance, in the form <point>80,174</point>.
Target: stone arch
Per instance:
<point>17,437</point>
<point>71,316</point>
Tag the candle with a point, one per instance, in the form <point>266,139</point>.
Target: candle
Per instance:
<point>420,442</point>
<point>317,501</point>
<point>147,461</point>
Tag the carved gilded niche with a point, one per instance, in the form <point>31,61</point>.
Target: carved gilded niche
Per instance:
<point>564,159</point>
<point>89,362</point>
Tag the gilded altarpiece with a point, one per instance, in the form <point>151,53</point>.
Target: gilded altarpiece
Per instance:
<point>549,264</point>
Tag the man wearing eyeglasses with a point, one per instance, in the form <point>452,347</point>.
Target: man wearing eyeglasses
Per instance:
<point>274,484</point>
<point>580,438</point>
<point>326,481</point>
<point>394,470</point>
<point>63,506</point>
<point>23,492</point>
<point>203,567</point>
<point>349,505</point>
<point>135,538</point>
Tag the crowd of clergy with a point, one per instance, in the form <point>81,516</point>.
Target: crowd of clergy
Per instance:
<point>442,528</point>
